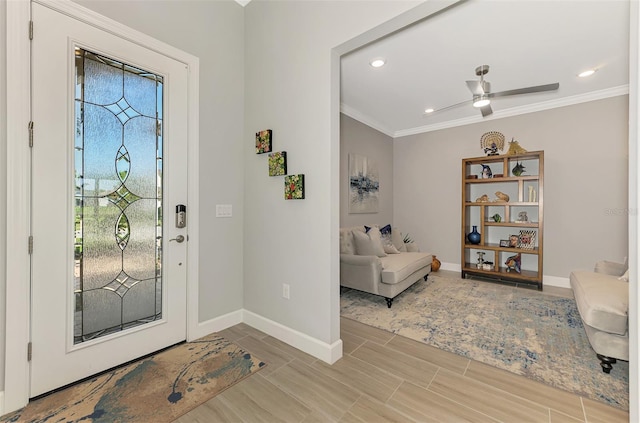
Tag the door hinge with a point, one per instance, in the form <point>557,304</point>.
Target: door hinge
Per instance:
<point>158,129</point>
<point>30,244</point>
<point>31,134</point>
<point>30,30</point>
<point>29,351</point>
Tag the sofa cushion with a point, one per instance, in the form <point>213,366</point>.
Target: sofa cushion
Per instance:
<point>603,300</point>
<point>397,267</point>
<point>369,244</point>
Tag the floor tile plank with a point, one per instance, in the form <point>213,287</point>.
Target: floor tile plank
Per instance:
<point>396,363</point>
<point>361,376</point>
<point>426,406</point>
<point>539,393</point>
<point>315,389</point>
<point>370,333</point>
<point>256,399</point>
<point>486,399</point>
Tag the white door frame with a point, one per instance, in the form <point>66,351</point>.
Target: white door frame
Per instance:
<point>18,311</point>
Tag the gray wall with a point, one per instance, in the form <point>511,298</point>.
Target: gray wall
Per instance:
<point>288,89</point>
<point>212,31</point>
<point>358,138</point>
<point>585,192</point>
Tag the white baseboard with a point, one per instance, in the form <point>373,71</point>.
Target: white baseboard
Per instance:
<point>329,353</point>
<point>454,267</point>
<point>556,281</point>
<point>215,325</point>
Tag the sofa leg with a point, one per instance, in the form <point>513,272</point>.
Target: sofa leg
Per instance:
<point>426,276</point>
<point>389,301</point>
<point>606,363</point>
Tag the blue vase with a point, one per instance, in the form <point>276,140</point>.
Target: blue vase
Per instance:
<point>474,236</point>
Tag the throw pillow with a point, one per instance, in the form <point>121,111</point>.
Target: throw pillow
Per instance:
<point>369,244</point>
<point>387,243</point>
<point>625,276</point>
<point>396,239</point>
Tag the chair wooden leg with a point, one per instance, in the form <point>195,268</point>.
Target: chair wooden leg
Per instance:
<point>606,363</point>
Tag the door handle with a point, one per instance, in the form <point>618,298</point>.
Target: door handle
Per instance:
<point>178,239</point>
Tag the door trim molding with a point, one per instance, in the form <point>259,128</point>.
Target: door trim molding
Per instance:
<point>17,333</point>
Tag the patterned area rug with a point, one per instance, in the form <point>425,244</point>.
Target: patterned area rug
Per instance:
<point>156,389</point>
<point>516,329</point>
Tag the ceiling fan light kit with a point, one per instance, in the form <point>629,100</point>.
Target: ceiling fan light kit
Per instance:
<point>482,95</point>
<point>480,101</point>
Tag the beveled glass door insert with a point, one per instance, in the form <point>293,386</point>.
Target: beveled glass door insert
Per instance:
<point>118,196</point>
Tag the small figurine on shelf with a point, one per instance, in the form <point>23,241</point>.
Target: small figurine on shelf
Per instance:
<point>515,148</point>
<point>522,217</point>
<point>482,199</point>
<point>518,169</point>
<point>513,263</point>
<point>480,259</point>
<point>491,142</point>
<point>486,172</point>
<point>502,197</point>
<point>497,218</point>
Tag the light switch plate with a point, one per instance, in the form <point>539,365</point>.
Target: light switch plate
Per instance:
<point>224,210</point>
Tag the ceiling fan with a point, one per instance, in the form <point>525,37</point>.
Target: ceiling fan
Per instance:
<point>482,94</point>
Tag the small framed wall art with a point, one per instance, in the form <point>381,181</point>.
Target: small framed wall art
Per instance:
<point>278,163</point>
<point>294,187</point>
<point>263,141</point>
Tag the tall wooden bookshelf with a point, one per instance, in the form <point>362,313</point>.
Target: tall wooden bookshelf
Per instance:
<point>521,217</point>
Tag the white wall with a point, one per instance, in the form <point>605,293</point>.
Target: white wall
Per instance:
<point>288,89</point>
<point>585,192</point>
<point>358,138</point>
<point>3,184</point>
<point>212,31</point>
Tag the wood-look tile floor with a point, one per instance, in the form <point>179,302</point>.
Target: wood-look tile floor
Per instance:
<point>383,377</point>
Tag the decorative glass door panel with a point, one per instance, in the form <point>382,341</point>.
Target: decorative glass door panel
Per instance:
<point>118,196</point>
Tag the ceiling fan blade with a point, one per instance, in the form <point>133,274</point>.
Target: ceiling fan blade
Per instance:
<point>475,87</point>
<point>486,110</point>
<point>528,90</point>
<point>448,107</point>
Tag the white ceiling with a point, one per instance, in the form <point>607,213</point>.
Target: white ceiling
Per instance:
<point>525,43</point>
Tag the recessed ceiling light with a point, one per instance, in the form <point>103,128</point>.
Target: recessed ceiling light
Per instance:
<point>377,62</point>
<point>429,110</point>
<point>587,73</point>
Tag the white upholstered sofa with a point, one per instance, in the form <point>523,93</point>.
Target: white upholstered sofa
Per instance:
<point>602,297</point>
<point>379,263</point>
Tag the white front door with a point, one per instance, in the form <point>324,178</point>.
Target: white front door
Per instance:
<point>109,167</point>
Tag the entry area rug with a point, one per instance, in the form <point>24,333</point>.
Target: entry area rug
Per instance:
<point>159,388</point>
<point>521,330</point>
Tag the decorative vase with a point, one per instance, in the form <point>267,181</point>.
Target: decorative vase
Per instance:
<point>435,264</point>
<point>474,236</point>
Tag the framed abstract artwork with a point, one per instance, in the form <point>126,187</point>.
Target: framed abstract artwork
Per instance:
<point>364,185</point>
<point>294,187</point>
<point>278,163</point>
<point>263,141</point>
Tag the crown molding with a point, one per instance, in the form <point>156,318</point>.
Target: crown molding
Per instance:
<point>521,110</point>
<point>367,120</point>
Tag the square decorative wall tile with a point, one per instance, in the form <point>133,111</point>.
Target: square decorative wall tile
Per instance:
<point>294,187</point>
<point>278,163</point>
<point>263,141</point>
